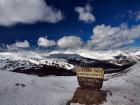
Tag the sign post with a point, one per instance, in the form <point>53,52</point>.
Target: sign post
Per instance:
<point>90,77</point>
<point>90,81</point>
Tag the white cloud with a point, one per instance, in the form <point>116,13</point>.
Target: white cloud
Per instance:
<point>70,42</point>
<point>107,37</point>
<point>137,15</point>
<point>44,42</point>
<point>134,15</point>
<point>19,44</point>
<point>27,11</point>
<point>85,14</point>
<point>24,44</point>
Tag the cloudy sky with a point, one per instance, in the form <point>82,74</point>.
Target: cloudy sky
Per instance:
<point>70,24</point>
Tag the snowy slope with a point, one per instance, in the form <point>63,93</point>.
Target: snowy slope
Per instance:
<point>124,89</point>
<point>12,60</point>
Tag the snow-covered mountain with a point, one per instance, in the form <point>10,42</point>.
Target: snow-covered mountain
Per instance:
<point>104,55</point>
<point>110,61</point>
<point>21,89</point>
<point>33,63</point>
<point>64,62</point>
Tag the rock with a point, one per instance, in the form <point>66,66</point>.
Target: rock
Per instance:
<point>18,84</point>
<point>88,96</point>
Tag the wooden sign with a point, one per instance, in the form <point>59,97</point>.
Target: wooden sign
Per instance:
<point>90,77</point>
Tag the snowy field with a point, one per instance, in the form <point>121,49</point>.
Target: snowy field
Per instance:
<point>21,89</point>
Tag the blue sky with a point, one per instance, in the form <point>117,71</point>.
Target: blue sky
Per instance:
<point>54,20</point>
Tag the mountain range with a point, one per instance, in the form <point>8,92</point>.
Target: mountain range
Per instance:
<point>62,63</point>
